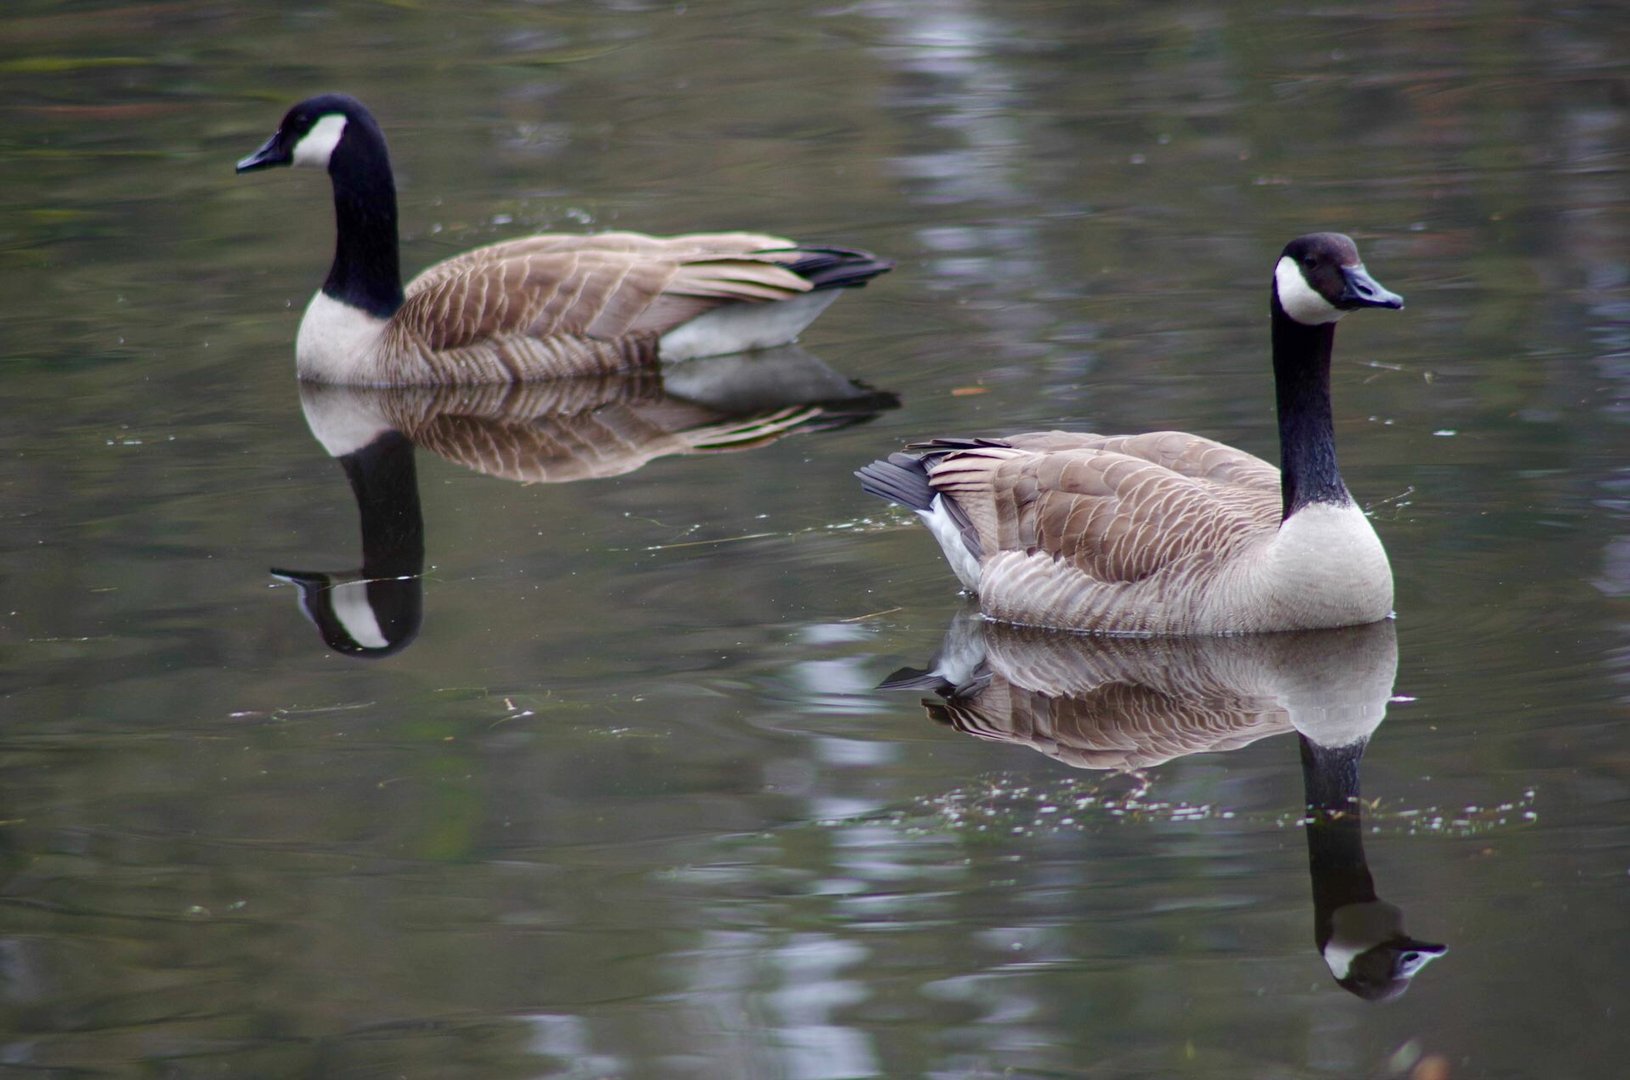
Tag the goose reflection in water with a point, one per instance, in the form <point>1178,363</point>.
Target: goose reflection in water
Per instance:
<point>1129,704</point>
<point>543,432</point>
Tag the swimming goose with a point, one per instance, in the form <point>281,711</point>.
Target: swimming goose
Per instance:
<point>1170,533</point>
<point>541,307</point>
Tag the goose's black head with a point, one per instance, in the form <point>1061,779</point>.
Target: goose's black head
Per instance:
<point>319,132</point>
<point>1320,278</point>
<point>336,133</point>
<point>1383,971</point>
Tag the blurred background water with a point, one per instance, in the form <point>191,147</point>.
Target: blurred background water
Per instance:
<point>628,804</point>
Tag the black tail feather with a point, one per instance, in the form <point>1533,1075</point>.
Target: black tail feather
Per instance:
<point>901,479</point>
<point>934,449</point>
<point>837,268</point>
<point>910,678</point>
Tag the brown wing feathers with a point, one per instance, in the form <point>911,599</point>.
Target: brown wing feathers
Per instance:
<point>610,285</point>
<point>1117,508</point>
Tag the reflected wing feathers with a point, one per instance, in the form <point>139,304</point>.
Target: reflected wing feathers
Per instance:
<point>1116,726</point>
<point>609,440</point>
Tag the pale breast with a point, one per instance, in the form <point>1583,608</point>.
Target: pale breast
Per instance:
<point>337,343</point>
<point>1324,567</point>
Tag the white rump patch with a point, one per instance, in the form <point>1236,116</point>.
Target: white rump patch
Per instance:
<point>1299,299</point>
<point>738,327</point>
<point>318,144</point>
<point>945,530</point>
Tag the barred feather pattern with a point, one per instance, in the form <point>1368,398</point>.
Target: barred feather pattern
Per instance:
<point>1160,533</point>
<point>1127,704</point>
<point>611,440</point>
<point>560,430</point>
<point>556,306</point>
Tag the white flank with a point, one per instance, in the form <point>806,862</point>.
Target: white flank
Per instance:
<point>336,342</point>
<point>739,327</point>
<point>945,530</point>
<point>349,602</point>
<point>318,144</point>
<point>1299,299</point>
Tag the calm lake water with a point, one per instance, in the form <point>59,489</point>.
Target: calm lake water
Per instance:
<point>622,797</point>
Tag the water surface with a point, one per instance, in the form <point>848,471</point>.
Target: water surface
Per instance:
<point>627,800</point>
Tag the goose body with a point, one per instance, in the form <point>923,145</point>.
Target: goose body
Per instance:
<point>1168,532</point>
<point>542,307</point>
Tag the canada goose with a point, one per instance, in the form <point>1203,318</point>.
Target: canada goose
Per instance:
<point>542,307</point>
<point>1126,704</point>
<point>552,432</point>
<point>1170,533</point>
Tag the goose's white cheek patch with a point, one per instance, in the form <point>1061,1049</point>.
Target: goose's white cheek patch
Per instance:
<point>352,610</point>
<point>1299,299</point>
<point>318,144</point>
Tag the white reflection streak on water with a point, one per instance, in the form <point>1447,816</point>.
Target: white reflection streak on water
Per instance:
<point>842,685</point>
<point>970,95</point>
<point>910,881</point>
<point>1592,135</point>
<point>786,1031</point>
<point>720,978</point>
<point>813,1047</point>
<point>566,1038</point>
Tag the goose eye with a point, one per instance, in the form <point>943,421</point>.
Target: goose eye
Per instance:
<point>1310,262</point>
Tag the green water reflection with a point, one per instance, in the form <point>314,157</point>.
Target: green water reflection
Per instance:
<point>629,805</point>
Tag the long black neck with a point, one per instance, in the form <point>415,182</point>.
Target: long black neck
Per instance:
<point>366,272</point>
<point>1335,831</point>
<point>386,486</point>
<point>1307,439</point>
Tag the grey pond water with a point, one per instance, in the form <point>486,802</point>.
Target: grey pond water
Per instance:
<point>623,799</point>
